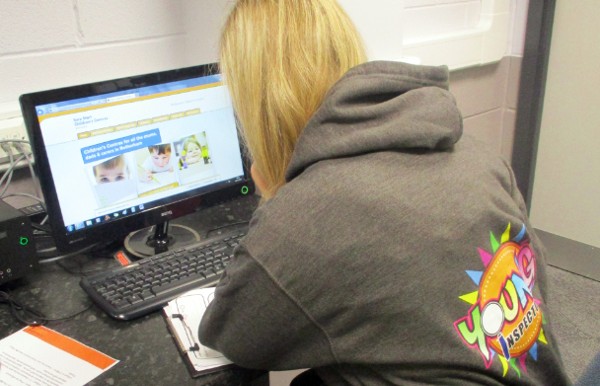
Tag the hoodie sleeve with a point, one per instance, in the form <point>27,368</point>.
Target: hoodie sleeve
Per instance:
<point>245,319</point>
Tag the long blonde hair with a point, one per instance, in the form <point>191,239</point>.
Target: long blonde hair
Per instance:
<point>279,59</point>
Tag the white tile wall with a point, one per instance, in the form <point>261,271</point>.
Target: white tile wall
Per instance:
<point>129,20</point>
<point>54,43</point>
<point>424,19</point>
<point>487,128</point>
<point>49,44</point>
<point>41,26</point>
<point>487,98</point>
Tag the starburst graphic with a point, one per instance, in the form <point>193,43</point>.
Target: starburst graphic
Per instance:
<point>505,319</point>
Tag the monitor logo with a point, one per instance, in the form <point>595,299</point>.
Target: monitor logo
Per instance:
<point>166,213</point>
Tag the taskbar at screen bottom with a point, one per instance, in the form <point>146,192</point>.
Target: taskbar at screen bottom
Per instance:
<point>104,218</point>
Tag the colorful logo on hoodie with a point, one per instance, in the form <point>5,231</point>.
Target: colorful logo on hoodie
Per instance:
<point>505,319</point>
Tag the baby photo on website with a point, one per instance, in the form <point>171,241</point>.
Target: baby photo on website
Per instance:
<point>112,181</point>
<point>156,168</point>
<point>195,163</point>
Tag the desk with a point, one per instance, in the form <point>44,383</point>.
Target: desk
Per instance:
<point>146,350</point>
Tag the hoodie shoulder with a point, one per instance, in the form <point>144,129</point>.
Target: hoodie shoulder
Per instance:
<point>380,106</point>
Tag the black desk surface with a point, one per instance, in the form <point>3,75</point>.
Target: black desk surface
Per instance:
<point>146,351</point>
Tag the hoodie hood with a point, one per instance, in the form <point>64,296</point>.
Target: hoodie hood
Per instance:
<point>380,106</point>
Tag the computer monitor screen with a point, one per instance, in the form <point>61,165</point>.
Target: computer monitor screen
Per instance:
<point>120,155</point>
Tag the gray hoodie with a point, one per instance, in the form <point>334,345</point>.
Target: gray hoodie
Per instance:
<point>398,253</point>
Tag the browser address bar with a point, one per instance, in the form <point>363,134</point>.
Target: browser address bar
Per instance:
<point>119,98</point>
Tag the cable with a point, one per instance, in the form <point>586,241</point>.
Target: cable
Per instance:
<point>29,316</point>
<point>14,141</point>
<point>26,195</point>
<point>22,313</point>
<point>67,255</point>
<point>45,219</point>
<point>44,230</point>
<point>8,174</point>
<point>18,145</point>
<point>80,271</point>
<point>90,304</point>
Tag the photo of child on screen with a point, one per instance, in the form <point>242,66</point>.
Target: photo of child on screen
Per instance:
<point>158,161</point>
<point>194,159</point>
<point>193,151</point>
<point>112,181</point>
<point>112,170</point>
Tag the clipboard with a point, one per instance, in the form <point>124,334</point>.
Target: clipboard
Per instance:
<point>183,315</point>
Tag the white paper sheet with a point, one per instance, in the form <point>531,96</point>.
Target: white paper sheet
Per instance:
<point>41,356</point>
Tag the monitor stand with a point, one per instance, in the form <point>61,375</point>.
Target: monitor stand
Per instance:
<point>159,238</point>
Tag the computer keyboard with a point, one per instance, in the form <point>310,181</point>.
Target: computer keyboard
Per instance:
<point>148,284</point>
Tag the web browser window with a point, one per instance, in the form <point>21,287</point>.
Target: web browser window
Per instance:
<point>113,154</point>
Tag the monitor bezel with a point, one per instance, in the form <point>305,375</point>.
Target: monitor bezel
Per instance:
<point>190,202</point>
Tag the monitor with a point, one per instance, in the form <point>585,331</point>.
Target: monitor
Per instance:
<point>118,156</point>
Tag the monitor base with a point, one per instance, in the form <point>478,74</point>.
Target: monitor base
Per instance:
<point>159,238</point>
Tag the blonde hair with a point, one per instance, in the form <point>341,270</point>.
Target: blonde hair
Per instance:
<point>279,59</point>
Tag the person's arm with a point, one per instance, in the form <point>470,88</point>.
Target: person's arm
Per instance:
<point>254,322</point>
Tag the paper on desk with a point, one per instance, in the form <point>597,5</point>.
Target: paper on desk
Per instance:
<point>41,356</point>
<point>183,316</point>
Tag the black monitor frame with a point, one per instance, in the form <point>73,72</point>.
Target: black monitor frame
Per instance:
<point>163,210</point>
